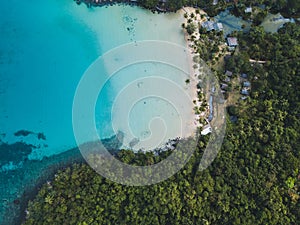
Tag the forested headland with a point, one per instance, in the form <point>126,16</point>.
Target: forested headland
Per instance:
<point>289,8</point>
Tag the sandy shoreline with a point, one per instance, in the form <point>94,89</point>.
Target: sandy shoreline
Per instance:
<point>157,132</point>
<point>194,71</point>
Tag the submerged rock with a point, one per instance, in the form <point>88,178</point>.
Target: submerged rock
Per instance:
<point>134,142</point>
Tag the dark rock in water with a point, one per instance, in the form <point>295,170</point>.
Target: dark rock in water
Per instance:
<point>28,181</point>
<point>115,142</point>
<point>41,136</point>
<point>14,152</point>
<point>23,133</point>
<point>17,202</point>
<point>111,145</point>
<point>134,142</point>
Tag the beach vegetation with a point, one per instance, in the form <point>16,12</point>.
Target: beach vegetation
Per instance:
<point>190,28</point>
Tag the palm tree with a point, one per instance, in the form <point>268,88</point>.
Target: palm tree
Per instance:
<point>49,199</point>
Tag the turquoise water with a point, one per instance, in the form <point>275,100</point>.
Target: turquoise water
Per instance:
<point>45,48</point>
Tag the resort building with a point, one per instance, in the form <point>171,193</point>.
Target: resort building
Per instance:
<point>248,10</point>
<point>210,25</point>
<point>244,75</point>
<point>215,2</point>
<point>227,79</point>
<point>206,130</point>
<point>224,86</point>
<point>246,84</point>
<point>218,26</point>
<point>228,73</point>
<point>232,41</point>
<point>213,89</point>
<point>245,91</point>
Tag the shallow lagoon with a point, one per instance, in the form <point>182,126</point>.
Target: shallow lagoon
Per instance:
<point>45,47</point>
<point>45,50</point>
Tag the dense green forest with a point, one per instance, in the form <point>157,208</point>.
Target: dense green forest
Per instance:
<point>254,180</point>
<point>290,8</point>
<point>287,7</point>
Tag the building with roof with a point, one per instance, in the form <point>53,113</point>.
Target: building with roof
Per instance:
<point>232,41</point>
<point>228,73</point>
<point>218,26</point>
<point>206,130</point>
<point>213,89</point>
<point>224,86</point>
<point>248,10</point>
<point>227,79</point>
<point>210,25</point>
<point>245,91</point>
<point>246,84</point>
<point>244,75</point>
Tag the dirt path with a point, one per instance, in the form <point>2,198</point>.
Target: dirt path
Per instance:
<point>257,61</point>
